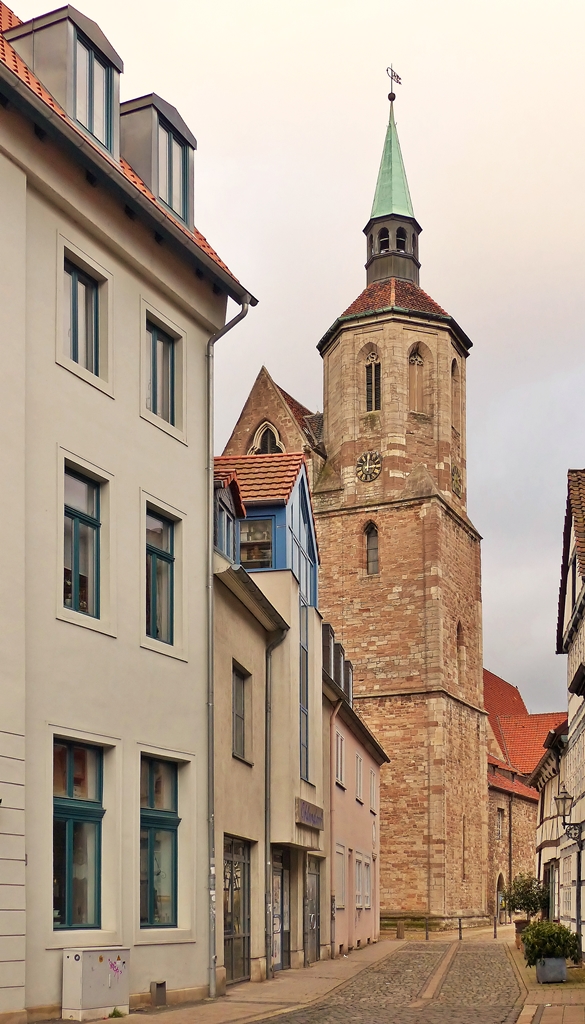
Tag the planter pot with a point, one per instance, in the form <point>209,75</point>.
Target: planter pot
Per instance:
<point>551,970</point>
<point>519,927</point>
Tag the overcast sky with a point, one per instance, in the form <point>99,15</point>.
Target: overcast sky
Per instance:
<point>288,101</point>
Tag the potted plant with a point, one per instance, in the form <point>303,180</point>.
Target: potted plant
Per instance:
<point>547,947</point>
<point>526,895</point>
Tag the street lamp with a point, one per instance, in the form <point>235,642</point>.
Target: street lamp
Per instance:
<point>574,831</point>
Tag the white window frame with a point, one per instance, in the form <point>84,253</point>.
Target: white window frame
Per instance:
<point>500,814</point>
<point>68,250</point>
<point>340,759</point>
<point>340,876</point>
<point>367,883</point>
<point>150,313</point>
<point>358,881</point>
<point>107,622</point>
<point>373,791</point>
<point>178,648</point>
<point>359,778</point>
<point>567,886</point>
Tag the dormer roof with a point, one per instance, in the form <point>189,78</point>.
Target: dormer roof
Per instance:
<point>263,479</point>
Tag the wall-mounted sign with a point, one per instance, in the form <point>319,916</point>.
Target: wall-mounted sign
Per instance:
<point>308,814</point>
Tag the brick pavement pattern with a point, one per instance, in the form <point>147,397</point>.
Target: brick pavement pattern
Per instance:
<point>480,987</point>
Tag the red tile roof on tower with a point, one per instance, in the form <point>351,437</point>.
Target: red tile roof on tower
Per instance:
<point>396,294</point>
<point>11,60</point>
<point>266,479</point>
<point>524,736</point>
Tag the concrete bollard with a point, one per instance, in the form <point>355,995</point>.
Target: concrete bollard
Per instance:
<point>495,927</point>
<point>460,932</point>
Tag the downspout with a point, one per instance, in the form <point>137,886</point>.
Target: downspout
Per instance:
<point>268,923</point>
<point>332,751</point>
<point>510,798</point>
<point>210,667</point>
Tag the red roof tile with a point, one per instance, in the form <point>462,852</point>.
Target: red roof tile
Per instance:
<point>15,64</point>
<point>299,411</point>
<point>262,478</point>
<point>524,736</point>
<point>395,293</point>
<point>577,501</point>
<point>497,781</point>
<point>500,697</point>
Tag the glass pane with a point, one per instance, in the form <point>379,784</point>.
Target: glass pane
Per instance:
<point>82,339</point>
<point>163,600</point>
<point>229,537</point>
<point>144,916</point>
<point>59,769</point>
<point>256,544</point>
<point>89,327</point>
<point>164,775</point>
<point>85,773</point>
<point>144,779</point>
<point>82,85</point>
<point>158,533</point>
<point>80,494</point>
<point>163,163</point>
<point>149,383</point>
<point>239,959</point>
<point>221,516</point>
<point>59,872</point>
<point>239,694</point>
<point>304,625</point>
<point>67,313</point>
<point>87,564</point>
<point>68,563</point>
<point>163,880</point>
<point>237,900</point>
<point>83,891</point>
<point>178,186</point>
<point>304,677</point>
<point>239,735</point>
<point>100,77</point>
<point>149,564</point>
<point>164,379</point>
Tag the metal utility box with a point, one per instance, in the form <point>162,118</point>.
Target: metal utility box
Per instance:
<point>94,982</point>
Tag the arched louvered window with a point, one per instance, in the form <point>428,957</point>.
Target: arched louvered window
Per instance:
<point>373,384</point>
<point>455,396</point>
<point>372,563</point>
<point>371,245</point>
<point>401,240</point>
<point>416,365</point>
<point>384,241</point>
<point>268,443</point>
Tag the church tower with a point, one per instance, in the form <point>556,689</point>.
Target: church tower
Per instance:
<point>400,562</point>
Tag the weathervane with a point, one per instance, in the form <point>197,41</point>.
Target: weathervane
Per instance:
<point>393,78</point>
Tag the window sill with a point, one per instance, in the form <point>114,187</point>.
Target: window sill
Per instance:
<point>359,800</point>
<point>169,650</point>
<point>83,938</point>
<point>372,811</point>
<point>100,383</point>
<point>244,760</point>
<point>168,428</point>
<point>340,784</point>
<point>86,621</point>
<point>153,936</point>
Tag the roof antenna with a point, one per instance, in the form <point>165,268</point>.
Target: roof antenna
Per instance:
<point>393,78</point>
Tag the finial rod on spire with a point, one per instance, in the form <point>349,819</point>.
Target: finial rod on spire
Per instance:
<point>393,78</point>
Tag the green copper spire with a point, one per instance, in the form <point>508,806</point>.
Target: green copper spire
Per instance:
<point>392,194</point>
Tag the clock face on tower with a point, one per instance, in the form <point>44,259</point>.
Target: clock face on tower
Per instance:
<point>368,466</point>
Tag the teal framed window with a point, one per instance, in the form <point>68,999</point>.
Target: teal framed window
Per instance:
<point>81,555</point>
<point>159,824</point>
<point>160,566</point>
<point>81,318</point>
<point>304,691</point>
<point>160,395</point>
<point>238,712</point>
<point>93,92</point>
<point>77,834</point>
<point>172,170</point>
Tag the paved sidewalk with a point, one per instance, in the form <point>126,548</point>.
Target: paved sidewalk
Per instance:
<point>288,991</point>
<point>551,997</point>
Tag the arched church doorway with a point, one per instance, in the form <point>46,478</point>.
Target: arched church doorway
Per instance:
<point>500,908</point>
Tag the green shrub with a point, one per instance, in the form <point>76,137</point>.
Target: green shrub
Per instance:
<point>526,895</point>
<point>545,939</point>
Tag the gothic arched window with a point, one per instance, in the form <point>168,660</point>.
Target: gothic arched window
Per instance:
<point>455,397</point>
<point>401,240</point>
<point>384,241</point>
<point>373,383</point>
<point>371,534</point>
<point>268,443</point>
<point>416,394</point>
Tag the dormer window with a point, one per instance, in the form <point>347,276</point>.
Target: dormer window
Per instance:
<point>93,92</point>
<point>172,170</point>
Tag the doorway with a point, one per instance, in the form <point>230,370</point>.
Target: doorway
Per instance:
<point>236,909</point>
<point>313,909</point>
<point>280,909</point>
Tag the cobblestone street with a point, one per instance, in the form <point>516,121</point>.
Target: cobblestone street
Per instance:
<point>424,983</point>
